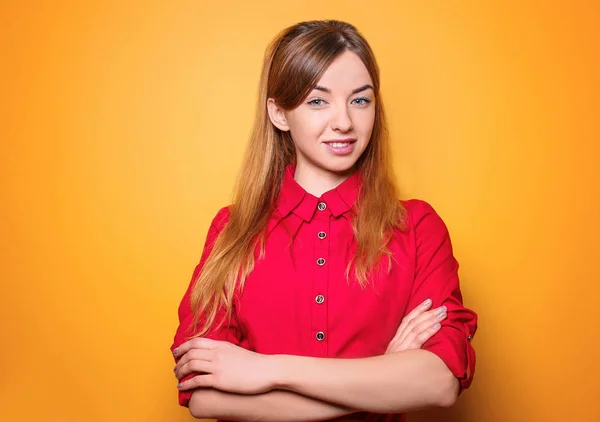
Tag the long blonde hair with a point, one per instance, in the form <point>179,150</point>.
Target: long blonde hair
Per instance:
<point>293,64</point>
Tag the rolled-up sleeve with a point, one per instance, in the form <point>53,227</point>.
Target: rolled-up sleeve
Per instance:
<point>228,330</point>
<point>436,277</point>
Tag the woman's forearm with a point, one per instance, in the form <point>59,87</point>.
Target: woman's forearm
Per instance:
<point>274,406</point>
<point>392,383</point>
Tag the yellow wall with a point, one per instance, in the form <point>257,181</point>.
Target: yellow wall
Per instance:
<point>122,128</point>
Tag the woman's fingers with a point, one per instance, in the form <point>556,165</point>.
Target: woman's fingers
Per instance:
<point>421,322</point>
<point>195,360</point>
<point>195,343</point>
<point>194,366</point>
<point>423,328</point>
<point>420,339</point>
<point>414,333</point>
<point>419,310</point>
<point>202,354</point>
<point>205,380</point>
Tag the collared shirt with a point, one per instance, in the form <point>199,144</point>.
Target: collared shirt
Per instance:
<point>297,299</point>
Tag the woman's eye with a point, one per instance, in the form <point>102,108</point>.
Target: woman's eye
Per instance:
<point>316,102</point>
<point>362,101</point>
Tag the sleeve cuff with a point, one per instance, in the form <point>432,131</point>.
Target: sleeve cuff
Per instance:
<point>455,350</point>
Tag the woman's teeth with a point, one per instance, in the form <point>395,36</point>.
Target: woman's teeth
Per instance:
<point>339,144</point>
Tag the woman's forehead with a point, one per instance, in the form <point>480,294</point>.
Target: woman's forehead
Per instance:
<point>346,73</point>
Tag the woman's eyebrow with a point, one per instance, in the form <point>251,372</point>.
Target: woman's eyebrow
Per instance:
<point>362,88</point>
<point>354,91</point>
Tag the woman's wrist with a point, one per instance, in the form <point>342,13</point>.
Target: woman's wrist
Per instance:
<point>279,371</point>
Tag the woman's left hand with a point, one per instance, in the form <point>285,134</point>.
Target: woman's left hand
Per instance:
<point>224,366</point>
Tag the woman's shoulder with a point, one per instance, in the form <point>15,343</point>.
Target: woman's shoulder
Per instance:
<point>416,206</point>
<point>221,218</point>
<point>421,213</point>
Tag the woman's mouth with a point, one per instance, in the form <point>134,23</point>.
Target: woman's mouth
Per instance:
<point>341,146</point>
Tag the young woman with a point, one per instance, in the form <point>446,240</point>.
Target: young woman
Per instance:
<point>319,294</point>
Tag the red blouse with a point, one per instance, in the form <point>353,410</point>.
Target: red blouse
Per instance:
<point>297,300</point>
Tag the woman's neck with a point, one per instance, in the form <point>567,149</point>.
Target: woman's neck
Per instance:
<point>317,181</point>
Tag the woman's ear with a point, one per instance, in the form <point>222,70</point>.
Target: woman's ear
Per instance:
<point>277,115</point>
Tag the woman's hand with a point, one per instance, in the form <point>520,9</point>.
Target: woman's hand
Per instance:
<point>222,365</point>
<point>417,327</point>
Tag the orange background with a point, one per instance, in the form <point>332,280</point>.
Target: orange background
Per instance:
<point>122,129</point>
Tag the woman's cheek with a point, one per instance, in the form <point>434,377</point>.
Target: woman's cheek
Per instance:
<point>319,125</point>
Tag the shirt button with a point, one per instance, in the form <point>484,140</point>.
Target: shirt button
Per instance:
<point>321,261</point>
<point>469,337</point>
<point>321,206</point>
<point>322,235</point>
<point>320,336</point>
<point>320,299</point>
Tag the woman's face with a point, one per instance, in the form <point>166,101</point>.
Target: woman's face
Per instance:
<point>333,125</point>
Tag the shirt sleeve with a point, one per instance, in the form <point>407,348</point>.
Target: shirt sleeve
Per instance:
<point>436,277</point>
<point>228,330</point>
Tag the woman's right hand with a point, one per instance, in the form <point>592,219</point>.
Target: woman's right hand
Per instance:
<point>417,327</point>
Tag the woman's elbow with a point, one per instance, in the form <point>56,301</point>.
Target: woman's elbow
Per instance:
<point>447,391</point>
<point>197,412</point>
<point>200,404</point>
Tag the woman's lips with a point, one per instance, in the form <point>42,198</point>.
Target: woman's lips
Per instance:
<point>341,146</point>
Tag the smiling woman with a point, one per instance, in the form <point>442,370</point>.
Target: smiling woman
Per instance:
<point>319,294</point>
<point>339,106</point>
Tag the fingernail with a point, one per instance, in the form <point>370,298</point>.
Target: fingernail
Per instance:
<point>179,385</point>
<point>437,325</point>
<point>442,309</point>
<point>427,302</point>
<point>175,368</point>
<point>175,352</point>
<point>441,315</point>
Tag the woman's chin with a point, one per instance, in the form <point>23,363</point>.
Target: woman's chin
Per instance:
<point>341,166</point>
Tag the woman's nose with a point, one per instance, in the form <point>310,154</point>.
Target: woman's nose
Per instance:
<point>341,120</point>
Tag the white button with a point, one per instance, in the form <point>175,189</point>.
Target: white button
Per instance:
<point>320,336</point>
<point>320,299</point>
<point>469,337</point>
<point>322,235</point>
<point>321,206</point>
<point>321,261</point>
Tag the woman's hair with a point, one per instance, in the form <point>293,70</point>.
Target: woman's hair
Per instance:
<point>293,64</point>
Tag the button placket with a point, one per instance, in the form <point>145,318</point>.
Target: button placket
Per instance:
<point>321,226</point>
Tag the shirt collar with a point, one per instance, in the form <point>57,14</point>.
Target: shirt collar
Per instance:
<point>293,197</point>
